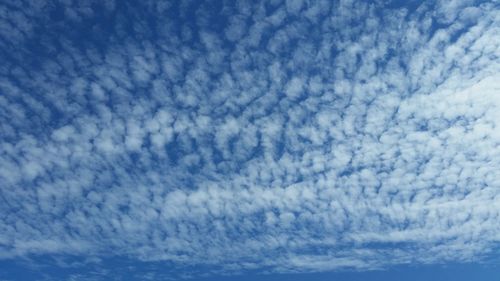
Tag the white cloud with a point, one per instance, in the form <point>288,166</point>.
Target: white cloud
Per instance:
<point>309,141</point>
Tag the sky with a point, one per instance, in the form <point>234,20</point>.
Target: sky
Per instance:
<point>249,140</point>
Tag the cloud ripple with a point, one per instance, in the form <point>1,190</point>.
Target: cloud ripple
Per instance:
<point>276,136</point>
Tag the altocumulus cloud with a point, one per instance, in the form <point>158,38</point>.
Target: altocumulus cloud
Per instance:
<point>278,136</point>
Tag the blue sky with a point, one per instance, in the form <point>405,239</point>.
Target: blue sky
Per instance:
<point>256,140</point>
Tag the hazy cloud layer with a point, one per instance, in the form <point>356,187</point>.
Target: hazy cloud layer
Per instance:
<point>275,136</point>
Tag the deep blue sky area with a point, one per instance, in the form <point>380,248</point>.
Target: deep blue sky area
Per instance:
<point>249,140</point>
<point>429,272</point>
<point>456,272</point>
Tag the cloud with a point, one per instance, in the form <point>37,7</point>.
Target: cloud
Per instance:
<point>277,137</point>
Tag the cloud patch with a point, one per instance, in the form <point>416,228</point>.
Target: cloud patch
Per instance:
<point>280,137</point>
